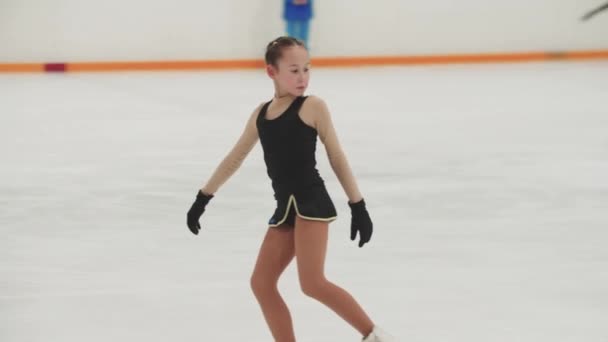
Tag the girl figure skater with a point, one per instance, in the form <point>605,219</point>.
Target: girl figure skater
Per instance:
<point>287,127</point>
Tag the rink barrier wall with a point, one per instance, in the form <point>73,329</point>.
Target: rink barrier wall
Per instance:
<point>317,61</point>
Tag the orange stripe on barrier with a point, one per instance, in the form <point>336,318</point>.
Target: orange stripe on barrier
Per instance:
<point>167,65</point>
<point>318,61</point>
<point>601,54</point>
<point>21,67</point>
<point>461,59</point>
<point>418,60</point>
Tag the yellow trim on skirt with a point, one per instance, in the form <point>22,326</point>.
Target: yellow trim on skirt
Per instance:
<point>295,203</point>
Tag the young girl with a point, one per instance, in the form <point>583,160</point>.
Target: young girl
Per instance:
<point>288,127</point>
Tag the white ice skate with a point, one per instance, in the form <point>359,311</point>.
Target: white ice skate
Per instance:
<point>378,335</point>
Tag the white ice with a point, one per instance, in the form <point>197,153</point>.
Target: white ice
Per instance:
<point>488,186</point>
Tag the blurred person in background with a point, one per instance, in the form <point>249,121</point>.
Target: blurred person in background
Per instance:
<point>297,14</point>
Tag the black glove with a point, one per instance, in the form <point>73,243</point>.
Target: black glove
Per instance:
<point>197,209</point>
<point>361,222</point>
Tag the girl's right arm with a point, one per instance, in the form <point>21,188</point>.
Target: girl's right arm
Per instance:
<point>233,160</point>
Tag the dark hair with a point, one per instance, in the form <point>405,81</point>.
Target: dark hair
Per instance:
<point>274,49</point>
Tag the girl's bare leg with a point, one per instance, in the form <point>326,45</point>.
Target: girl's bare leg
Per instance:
<point>275,254</point>
<point>311,247</point>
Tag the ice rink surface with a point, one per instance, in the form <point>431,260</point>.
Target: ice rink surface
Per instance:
<point>487,184</point>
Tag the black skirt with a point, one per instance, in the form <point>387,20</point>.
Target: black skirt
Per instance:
<point>313,203</point>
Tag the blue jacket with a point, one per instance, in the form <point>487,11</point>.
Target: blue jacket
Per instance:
<point>297,12</point>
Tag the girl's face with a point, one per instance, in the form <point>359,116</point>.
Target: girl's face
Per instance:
<point>292,72</point>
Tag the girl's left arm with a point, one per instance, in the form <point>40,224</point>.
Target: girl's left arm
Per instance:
<point>322,122</point>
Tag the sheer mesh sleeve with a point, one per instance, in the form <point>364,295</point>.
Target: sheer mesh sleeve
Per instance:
<point>337,159</point>
<point>233,160</point>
